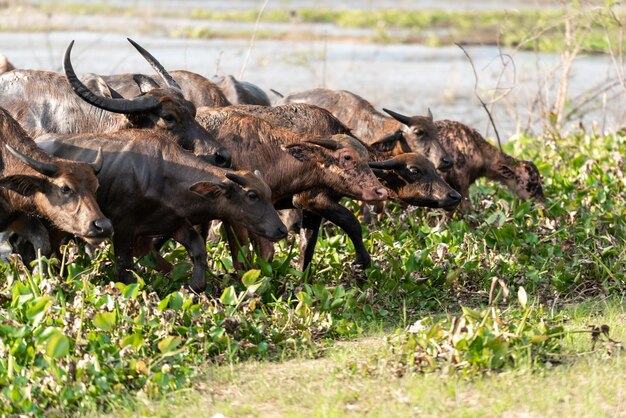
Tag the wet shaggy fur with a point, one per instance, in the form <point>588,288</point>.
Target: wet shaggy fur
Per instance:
<point>474,158</point>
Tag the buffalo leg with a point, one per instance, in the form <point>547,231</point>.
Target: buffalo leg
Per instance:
<point>123,247</point>
<point>309,231</point>
<point>196,247</point>
<point>237,237</point>
<point>344,219</point>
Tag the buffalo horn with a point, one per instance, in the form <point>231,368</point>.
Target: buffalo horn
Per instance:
<point>400,118</point>
<point>127,106</point>
<point>97,163</point>
<point>236,178</point>
<point>322,142</point>
<point>391,164</point>
<point>169,80</point>
<point>430,114</point>
<point>47,169</point>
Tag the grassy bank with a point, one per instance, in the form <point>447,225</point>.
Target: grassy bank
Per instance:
<point>585,384</point>
<point>74,342</point>
<point>597,28</point>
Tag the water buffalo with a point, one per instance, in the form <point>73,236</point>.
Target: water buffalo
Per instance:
<point>388,135</point>
<point>307,119</point>
<point>44,102</point>
<point>151,187</point>
<point>337,163</point>
<point>198,89</point>
<point>475,158</point>
<point>31,182</point>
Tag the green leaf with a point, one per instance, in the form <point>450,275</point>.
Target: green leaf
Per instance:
<point>250,277</point>
<point>58,346</point>
<point>169,344</point>
<point>522,296</point>
<point>176,301</point>
<point>37,308</point>
<point>229,296</point>
<point>106,321</point>
<point>266,268</point>
<point>134,340</point>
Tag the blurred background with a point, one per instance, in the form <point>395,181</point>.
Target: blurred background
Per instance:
<point>540,66</point>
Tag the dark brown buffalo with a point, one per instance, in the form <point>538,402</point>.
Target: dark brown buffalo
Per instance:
<point>336,163</point>
<point>320,203</point>
<point>31,182</point>
<point>151,187</point>
<point>413,180</point>
<point>388,135</point>
<point>475,158</point>
<point>44,102</point>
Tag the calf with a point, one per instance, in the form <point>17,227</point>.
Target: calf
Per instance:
<point>336,163</point>
<point>388,135</point>
<point>150,186</point>
<point>59,190</point>
<point>474,158</point>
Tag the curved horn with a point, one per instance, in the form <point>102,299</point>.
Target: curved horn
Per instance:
<point>430,114</point>
<point>169,80</point>
<point>400,118</point>
<point>140,104</point>
<point>391,164</point>
<point>322,142</point>
<point>236,178</point>
<point>97,163</point>
<point>47,169</point>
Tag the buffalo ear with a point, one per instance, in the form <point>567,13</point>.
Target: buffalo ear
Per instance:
<point>506,172</point>
<point>145,83</point>
<point>303,152</point>
<point>21,184</point>
<point>210,190</point>
<point>386,143</point>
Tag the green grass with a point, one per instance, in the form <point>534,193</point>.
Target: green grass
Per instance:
<point>586,384</point>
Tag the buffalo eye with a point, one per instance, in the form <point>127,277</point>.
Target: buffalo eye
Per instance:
<point>347,157</point>
<point>252,195</point>
<point>415,170</point>
<point>65,189</point>
<point>169,119</point>
<point>419,132</point>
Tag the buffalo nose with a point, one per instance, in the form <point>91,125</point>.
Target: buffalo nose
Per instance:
<point>454,195</point>
<point>381,192</point>
<point>103,227</point>
<point>446,163</point>
<point>282,230</point>
<point>223,158</point>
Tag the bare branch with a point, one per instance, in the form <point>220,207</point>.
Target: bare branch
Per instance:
<point>478,95</point>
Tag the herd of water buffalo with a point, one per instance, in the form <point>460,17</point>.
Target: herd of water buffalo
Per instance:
<point>142,159</point>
